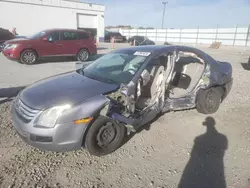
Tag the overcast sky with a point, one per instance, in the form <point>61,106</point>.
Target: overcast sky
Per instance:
<point>179,13</point>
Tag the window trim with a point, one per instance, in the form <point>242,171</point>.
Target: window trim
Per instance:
<point>78,35</point>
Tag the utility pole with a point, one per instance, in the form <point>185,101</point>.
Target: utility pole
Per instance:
<point>164,7</point>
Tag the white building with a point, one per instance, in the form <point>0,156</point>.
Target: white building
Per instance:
<point>31,16</point>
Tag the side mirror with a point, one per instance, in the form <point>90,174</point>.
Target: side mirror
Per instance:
<point>50,39</point>
<point>145,77</point>
<point>82,65</point>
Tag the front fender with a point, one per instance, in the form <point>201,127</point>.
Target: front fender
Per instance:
<point>85,109</point>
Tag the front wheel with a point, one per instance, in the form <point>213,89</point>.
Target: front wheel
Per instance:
<point>83,55</point>
<point>104,136</point>
<point>28,57</point>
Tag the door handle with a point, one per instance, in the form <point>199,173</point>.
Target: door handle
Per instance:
<point>59,44</point>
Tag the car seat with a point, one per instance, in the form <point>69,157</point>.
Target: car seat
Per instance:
<point>192,69</point>
<point>152,90</point>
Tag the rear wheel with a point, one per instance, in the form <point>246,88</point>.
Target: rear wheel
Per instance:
<point>28,57</point>
<point>83,55</point>
<point>208,101</point>
<point>104,136</point>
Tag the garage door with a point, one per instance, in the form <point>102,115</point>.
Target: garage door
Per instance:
<point>87,21</point>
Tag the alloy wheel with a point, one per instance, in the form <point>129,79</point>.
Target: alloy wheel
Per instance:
<point>83,55</point>
<point>29,57</point>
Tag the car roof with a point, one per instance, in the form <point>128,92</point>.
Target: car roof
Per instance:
<point>159,49</point>
<point>149,48</point>
<point>61,29</point>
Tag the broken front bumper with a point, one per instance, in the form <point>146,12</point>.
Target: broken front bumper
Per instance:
<point>61,138</point>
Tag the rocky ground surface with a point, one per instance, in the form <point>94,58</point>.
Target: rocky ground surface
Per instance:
<point>164,154</point>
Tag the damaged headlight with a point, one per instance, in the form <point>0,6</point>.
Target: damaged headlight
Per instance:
<point>49,117</point>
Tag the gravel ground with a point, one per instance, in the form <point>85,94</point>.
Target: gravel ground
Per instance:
<point>164,154</point>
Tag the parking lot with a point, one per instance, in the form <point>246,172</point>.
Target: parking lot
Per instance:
<point>161,155</point>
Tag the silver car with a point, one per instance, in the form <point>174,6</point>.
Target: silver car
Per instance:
<point>97,105</point>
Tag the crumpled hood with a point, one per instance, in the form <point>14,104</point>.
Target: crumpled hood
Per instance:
<point>68,88</point>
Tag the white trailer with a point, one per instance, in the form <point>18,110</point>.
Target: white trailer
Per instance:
<point>30,16</point>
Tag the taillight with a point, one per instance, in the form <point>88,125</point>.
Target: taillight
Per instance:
<point>92,38</point>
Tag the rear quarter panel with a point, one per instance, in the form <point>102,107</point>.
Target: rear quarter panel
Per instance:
<point>72,46</point>
<point>90,45</point>
<point>221,73</point>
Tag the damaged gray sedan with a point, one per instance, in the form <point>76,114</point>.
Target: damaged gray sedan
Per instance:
<point>97,105</point>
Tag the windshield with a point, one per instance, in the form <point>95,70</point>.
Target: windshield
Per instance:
<point>38,35</point>
<point>115,68</point>
<point>140,38</point>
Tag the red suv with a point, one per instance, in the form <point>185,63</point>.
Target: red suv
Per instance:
<point>49,43</point>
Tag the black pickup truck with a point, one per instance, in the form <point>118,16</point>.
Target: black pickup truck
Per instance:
<point>4,36</point>
<point>116,35</point>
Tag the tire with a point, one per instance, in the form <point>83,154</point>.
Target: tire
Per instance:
<point>208,101</point>
<point>28,57</point>
<point>83,55</point>
<point>95,141</point>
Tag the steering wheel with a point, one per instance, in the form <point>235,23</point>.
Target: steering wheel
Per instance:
<point>131,71</point>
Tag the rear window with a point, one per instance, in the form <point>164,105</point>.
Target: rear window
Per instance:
<point>83,35</point>
<point>69,35</point>
<point>116,34</point>
<point>139,38</point>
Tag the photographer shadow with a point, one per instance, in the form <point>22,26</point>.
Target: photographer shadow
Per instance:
<point>205,168</point>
